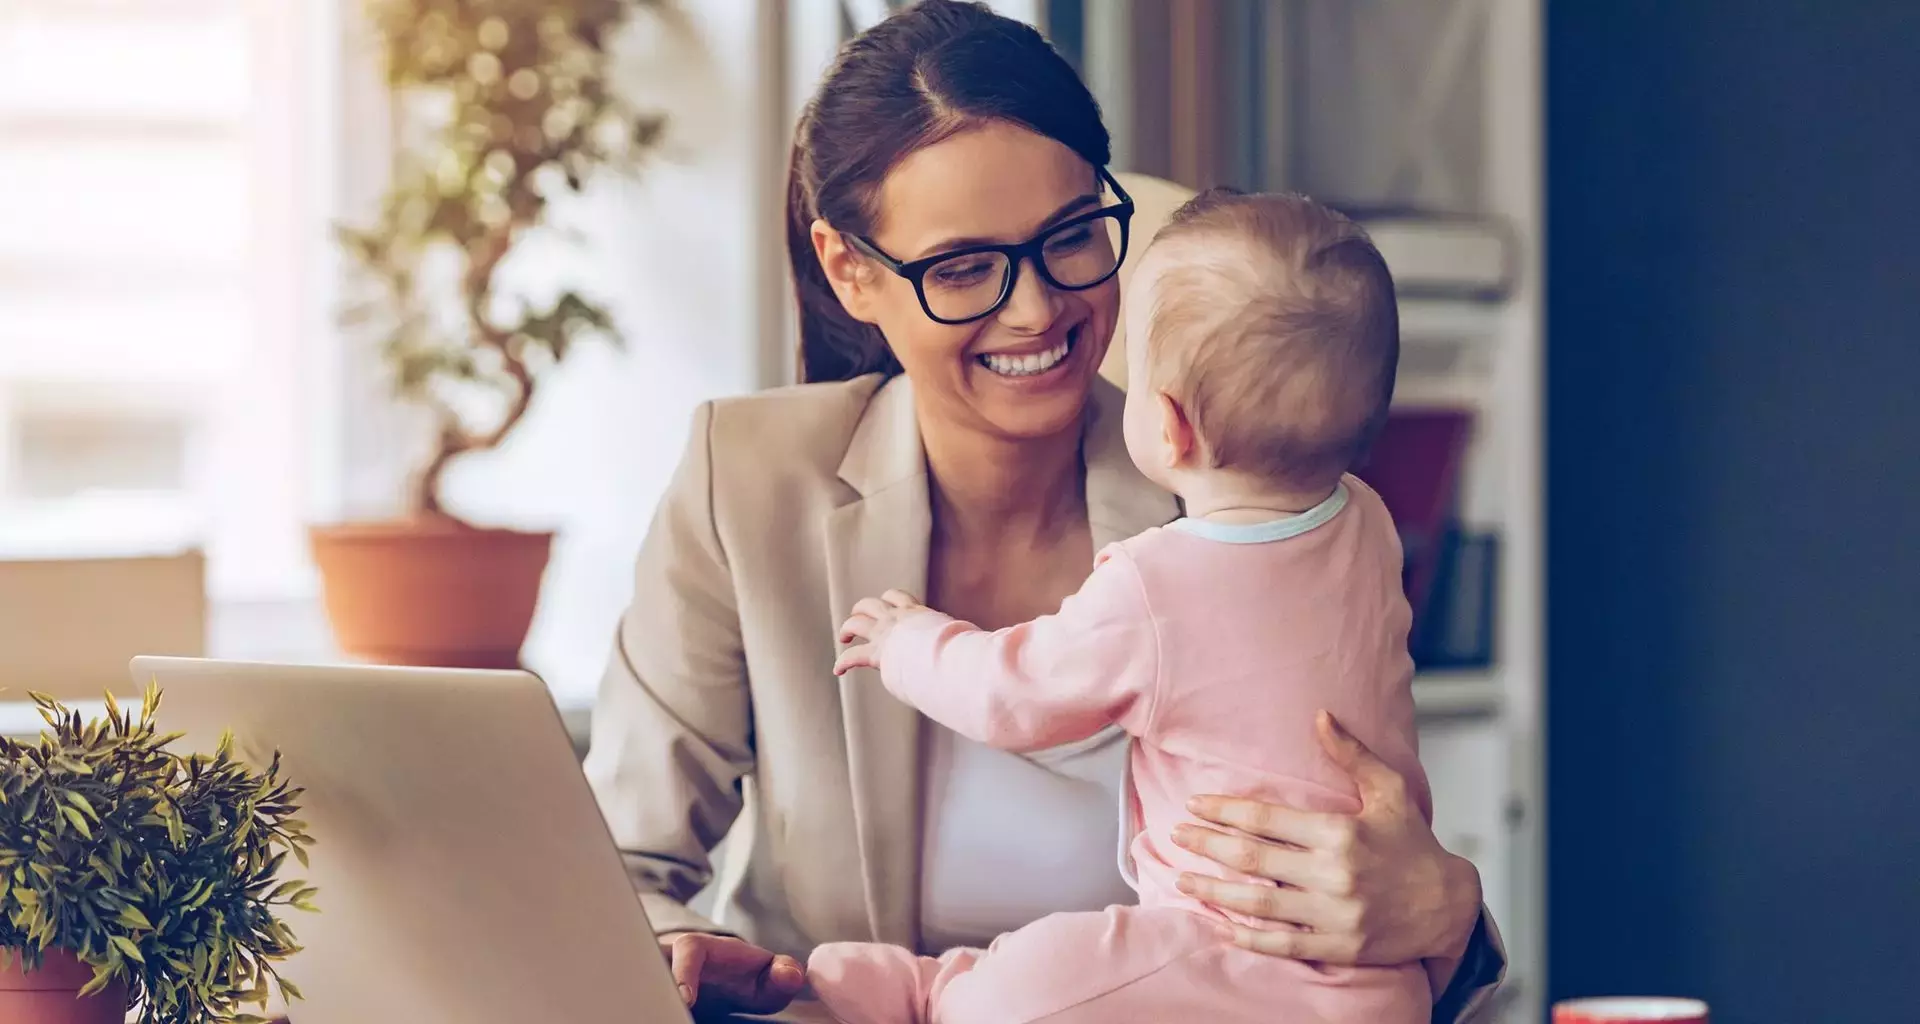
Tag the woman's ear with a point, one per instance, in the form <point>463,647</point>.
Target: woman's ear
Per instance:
<point>846,272</point>
<point>1176,430</point>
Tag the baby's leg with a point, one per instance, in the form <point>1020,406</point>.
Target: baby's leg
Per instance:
<point>1074,967</point>
<point>1162,964</point>
<point>871,983</point>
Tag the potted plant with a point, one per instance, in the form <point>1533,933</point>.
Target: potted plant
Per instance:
<point>511,103</point>
<point>133,877</point>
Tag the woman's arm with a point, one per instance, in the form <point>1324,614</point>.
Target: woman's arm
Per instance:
<point>1370,888</point>
<point>671,730</point>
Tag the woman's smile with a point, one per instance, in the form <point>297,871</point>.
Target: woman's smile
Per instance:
<point>1043,362</point>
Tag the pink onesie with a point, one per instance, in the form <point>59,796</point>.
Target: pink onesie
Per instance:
<point>1213,646</point>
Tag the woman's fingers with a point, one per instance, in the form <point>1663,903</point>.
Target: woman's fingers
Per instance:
<point>1319,947</point>
<point>724,974</point>
<point>1306,829</point>
<point>785,979</point>
<point>1305,869</point>
<point>688,955</point>
<point>1268,902</point>
<point>1381,788</point>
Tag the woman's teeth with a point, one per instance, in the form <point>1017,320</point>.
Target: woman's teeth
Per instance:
<point>1027,365</point>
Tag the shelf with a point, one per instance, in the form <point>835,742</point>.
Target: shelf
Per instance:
<point>1458,694</point>
<point>1425,321</point>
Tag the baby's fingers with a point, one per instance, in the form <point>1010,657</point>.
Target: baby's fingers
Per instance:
<point>900,599</point>
<point>857,627</point>
<point>857,656</point>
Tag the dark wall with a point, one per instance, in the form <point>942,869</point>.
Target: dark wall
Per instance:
<point>1734,504</point>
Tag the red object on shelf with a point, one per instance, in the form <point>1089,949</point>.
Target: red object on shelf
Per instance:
<point>1415,466</point>
<point>1630,1010</point>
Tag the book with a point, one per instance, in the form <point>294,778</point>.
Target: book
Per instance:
<point>1442,255</point>
<point>1415,465</point>
<point>1457,630</point>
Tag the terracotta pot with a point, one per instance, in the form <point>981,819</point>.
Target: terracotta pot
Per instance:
<point>46,996</point>
<point>430,591</point>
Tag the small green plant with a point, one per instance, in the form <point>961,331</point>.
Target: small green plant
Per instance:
<point>156,869</point>
<point>503,105</point>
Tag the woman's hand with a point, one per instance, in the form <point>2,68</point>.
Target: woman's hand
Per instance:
<point>721,974</point>
<point>1371,888</point>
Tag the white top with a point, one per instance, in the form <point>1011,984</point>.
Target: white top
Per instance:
<point>1011,838</point>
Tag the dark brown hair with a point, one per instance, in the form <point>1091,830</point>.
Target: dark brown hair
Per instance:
<point>916,78</point>
<point>1276,330</point>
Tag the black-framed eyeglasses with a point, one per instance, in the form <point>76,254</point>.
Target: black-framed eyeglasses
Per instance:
<point>970,284</point>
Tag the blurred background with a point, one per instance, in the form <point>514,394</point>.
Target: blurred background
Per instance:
<point>1657,454</point>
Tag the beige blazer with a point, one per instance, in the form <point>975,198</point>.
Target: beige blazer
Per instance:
<point>788,506</point>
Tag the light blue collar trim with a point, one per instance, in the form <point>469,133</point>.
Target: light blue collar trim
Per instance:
<point>1272,530</point>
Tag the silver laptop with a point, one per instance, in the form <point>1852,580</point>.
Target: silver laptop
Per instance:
<point>465,872</point>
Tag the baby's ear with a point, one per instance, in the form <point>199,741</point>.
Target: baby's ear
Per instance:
<point>1177,431</point>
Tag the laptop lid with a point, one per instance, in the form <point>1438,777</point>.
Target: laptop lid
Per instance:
<point>465,872</point>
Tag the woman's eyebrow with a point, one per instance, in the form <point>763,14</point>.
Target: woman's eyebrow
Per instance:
<point>1072,206</point>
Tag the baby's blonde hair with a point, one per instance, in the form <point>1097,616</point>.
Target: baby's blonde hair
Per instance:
<point>1273,325</point>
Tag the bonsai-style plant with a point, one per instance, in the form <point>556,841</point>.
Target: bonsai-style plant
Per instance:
<point>159,873</point>
<point>504,106</point>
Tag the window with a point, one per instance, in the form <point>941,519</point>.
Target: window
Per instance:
<point>162,308</point>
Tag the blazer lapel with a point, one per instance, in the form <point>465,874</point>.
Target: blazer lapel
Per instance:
<point>876,543</point>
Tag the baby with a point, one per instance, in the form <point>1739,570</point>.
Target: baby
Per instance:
<point>1262,340</point>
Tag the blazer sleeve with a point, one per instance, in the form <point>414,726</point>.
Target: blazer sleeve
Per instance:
<point>1470,995</point>
<point>672,730</point>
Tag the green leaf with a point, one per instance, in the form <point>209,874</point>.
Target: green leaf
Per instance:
<point>102,977</point>
<point>79,822</point>
<point>131,916</point>
<point>81,803</point>
<point>128,947</point>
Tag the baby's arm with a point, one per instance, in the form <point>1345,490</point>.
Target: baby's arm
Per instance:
<point>1059,678</point>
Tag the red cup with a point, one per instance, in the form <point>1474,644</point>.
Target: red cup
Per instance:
<point>1630,1010</point>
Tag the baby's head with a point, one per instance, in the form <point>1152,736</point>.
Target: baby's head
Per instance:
<point>1262,339</point>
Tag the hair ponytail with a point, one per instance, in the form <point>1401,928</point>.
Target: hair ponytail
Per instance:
<point>833,345</point>
<point>916,78</point>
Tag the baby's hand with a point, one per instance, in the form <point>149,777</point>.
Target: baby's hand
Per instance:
<point>872,619</point>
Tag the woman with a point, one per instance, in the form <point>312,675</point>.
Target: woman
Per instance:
<point>954,236</point>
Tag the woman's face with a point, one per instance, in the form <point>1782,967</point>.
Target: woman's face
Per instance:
<point>1023,371</point>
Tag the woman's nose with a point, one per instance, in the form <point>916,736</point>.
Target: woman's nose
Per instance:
<point>1033,305</point>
